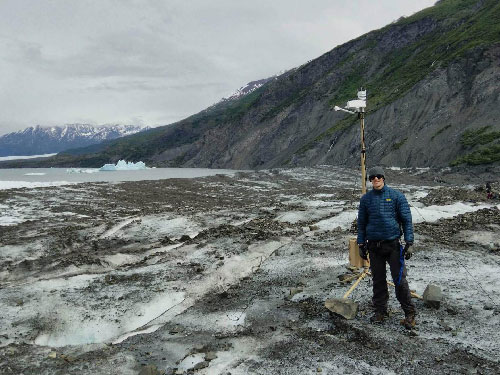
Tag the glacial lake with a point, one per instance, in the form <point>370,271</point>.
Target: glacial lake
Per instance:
<point>40,177</point>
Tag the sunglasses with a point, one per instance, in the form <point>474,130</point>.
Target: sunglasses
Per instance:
<point>379,176</point>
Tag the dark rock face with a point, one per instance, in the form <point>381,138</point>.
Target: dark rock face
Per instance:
<point>421,128</point>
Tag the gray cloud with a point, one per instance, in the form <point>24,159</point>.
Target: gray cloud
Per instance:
<point>157,61</point>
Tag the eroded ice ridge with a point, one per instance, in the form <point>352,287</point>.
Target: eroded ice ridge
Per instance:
<point>123,165</point>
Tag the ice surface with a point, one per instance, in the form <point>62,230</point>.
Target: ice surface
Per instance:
<point>421,214</point>
<point>190,361</point>
<point>110,232</point>
<point>343,220</point>
<point>123,165</point>
<point>158,226</point>
<point>118,259</point>
<point>294,217</point>
<point>67,328</point>
<point>173,227</point>
<point>5,185</point>
<point>82,170</point>
<point>485,238</point>
<point>233,270</point>
<point>9,216</point>
<point>434,213</point>
<point>314,204</point>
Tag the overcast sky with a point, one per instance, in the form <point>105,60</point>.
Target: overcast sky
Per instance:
<point>154,62</point>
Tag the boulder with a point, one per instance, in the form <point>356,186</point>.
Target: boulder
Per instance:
<point>433,296</point>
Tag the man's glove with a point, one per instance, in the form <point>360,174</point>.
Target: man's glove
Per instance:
<point>363,251</point>
<point>407,252</point>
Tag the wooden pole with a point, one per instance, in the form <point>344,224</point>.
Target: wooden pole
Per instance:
<point>413,294</point>
<point>363,152</point>
<point>354,258</point>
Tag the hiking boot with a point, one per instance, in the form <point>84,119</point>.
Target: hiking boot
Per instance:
<point>379,317</point>
<point>409,321</point>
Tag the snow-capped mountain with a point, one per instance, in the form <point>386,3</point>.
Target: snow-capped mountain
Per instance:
<point>251,86</point>
<point>37,140</point>
<point>248,88</point>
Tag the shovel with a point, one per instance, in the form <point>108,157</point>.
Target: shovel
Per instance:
<point>345,307</point>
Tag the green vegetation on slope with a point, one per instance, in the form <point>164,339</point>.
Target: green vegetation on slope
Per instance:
<point>463,31</point>
<point>479,136</point>
<point>440,131</point>
<point>397,145</point>
<point>485,155</point>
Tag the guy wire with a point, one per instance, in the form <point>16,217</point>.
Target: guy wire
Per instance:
<point>256,268</point>
<point>461,264</point>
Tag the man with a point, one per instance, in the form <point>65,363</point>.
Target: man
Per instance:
<point>384,214</point>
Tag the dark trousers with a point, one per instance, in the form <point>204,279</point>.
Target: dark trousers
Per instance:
<point>382,252</point>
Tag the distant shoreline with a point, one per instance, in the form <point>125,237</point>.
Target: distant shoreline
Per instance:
<point>16,157</point>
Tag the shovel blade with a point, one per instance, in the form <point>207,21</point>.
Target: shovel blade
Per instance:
<point>343,307</point>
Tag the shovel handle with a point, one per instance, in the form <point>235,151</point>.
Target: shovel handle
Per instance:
<point>413,294</point>
<point>361,277</point>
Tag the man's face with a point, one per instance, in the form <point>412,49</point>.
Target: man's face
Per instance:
<point>377,182</point>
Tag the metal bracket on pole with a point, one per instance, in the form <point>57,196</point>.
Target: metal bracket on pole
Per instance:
<point>337,108</point>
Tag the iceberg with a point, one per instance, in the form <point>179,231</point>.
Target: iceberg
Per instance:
<point>122,165</point>
<point>82,170</point>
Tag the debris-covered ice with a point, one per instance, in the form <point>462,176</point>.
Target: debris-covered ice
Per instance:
<point>229,274</point>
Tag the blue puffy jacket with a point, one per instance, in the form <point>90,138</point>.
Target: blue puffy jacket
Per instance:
<point>380,213</point>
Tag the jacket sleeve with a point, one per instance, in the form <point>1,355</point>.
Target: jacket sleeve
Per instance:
<point>362,220</point>
<point>404,215</point>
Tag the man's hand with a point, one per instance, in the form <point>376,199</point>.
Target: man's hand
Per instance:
<point>363,251</point>
<point>407,252</point>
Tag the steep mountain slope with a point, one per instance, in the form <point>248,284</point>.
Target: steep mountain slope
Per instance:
<point>433,99</point>
<point>38,140</point>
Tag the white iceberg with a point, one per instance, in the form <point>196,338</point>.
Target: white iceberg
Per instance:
<point>122,165</point>
<point>82,170</point>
